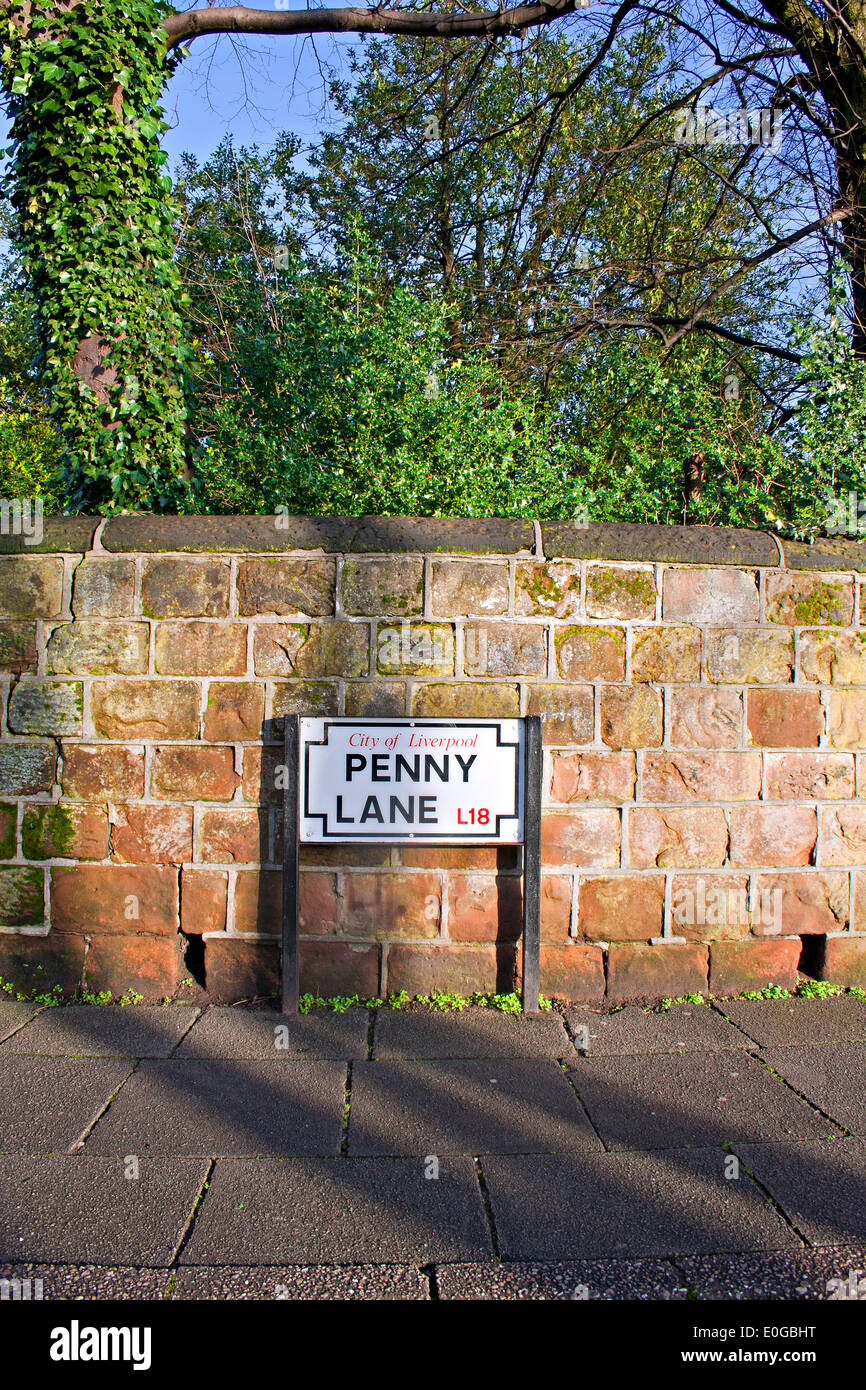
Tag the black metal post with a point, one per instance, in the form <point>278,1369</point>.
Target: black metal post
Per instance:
<point>532,765</point>
<point>290,864</point>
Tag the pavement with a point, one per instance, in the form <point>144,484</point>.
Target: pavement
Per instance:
<point>176,1152</point>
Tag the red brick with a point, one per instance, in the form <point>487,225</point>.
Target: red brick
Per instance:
<point>710,907</point>
<point>236,969</point>
<point>785,718</point>
<point>333,968</point>
<point>809,776</point>
<point>233,836</point>
<point>593,777</point>
<point>706,718</point>
<point>590,653</point>
<point>645,974</point>
<point>574,972</point>
<point>193,773</point>
<point>555,908</point>
<point>772,835</point>
<point>261,767</point>
<point>679,777</point>
<point>102,773</point>
<point>318,904</point>
<point>152,966</point>
<point>38,963</point>
<point>666,654</point>
<point>679,838</point>
<point>152,835</point>
<point>843,961</point>
<point>201,649</point>
<point>631,716</point>
<point>500,857</point>
<point>736,966</point>
<point>584,839</point>
<point>235,711</point>
<point>203,899</point>
<point>63,831</point>
<point>810,904</point>
<point>259,901</point>
<point>621,908</point>
<point>114,898</point>
<point>131,709</point>
<point>484,908</point>
<point>620,592</point>
<point>566,712</point>
<point>504,649</point>
<point>843,835</point>
<point>464,970</point>
<point>185,588</point>
<point>846,718</point>
<point>718,597</point>
<point>391,905</point>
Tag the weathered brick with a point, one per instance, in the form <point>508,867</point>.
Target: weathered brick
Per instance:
<point>465,969</point>
<point>193,773</point>
<point>104,588</point>
<point>187,588</point>
<point>736,966</point>
<point>236,969</point>
<point>259,901</point>
<point>17,647</point>
<point>46,707</point>
<point>590,653</point>
<point>574,972</point>
<point>233,836</point>
<point>8,823</point>
<point>715,596</point>
<point>152,835</point>
<point>203,900</point>
<point>484,908</point>
<point>549,589</point>
<point>710,907</point>
<point>614,591</point>
<point>555,907</point>
<point>261,775</point>
<point>843,961</point>
<point>504,649</point>
<point>391,905</point>
<point>300,697</point>
<point>26,769</point>
<point>584,839</point>
<point>804,600</point>
<point>566,712</point>
<point>503,858</point>
<point>152,966</point>
<point>750,658</point>
<point>643,974</point>
<point>31,586</point>
<point>801,904</point>
<point>115,898</point>
<point>318,904</point>
<point>843,835</point>
<point>99,773</point>
<point>383,588</point>
<point>592,777</point>
<point>858,909</point>
<point>846,718</point>
<point>679,838</point>
<point>467,700</point>
<point>201,649</point>
<point>772,835</point>
<point>665,654</point>
<point>705,718</point>
<point>466,588</point>
<point>784,718</point>
<point>129,709</point>
<point>22,896</point>
<point>311,649</point>
<point>701,776</point>
<point>282,587</point>
<point>833,658</point>
<point>631,716</point>
<point>809,776</point>
<point>91,647</point>
<point>333,968</point>
<point>61,831</point>
<point>378,699</point>
<point>35,964</point>
<point>235,710</point>
<point>621,908</point>
<point>414,649</point>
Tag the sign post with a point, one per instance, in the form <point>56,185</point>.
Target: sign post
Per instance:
<point>411,781</point>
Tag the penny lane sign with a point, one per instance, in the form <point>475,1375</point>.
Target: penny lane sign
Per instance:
<point>411,781</point>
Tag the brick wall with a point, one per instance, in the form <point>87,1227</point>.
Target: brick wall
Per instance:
<point>704,704</point>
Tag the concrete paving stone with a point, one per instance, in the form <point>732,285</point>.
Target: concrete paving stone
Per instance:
<point>785,1022</point>
<point>88,1030</point>
<point>82,1210</point>
<point>669,1100</point>
<point>13,1015</point>
<point>808,1275</point>
<point>46,1103</point>
<point>820,1186</point>
<point>597,1205</point>
<point>338,1283</point>
<point>339,1211</point>
<point>830,1076</point>
<point>214,1108</point>
<point>467,1106</point>
<point>634,1031</point>
<point>601,1280</point>
<point>68,1281</point>
<point>469,1033</point>
<point>269,1036</point>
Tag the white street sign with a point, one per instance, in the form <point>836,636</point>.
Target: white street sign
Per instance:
<point>437,780</point>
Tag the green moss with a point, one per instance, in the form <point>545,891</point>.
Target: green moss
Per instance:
<point>592,634</point>
<point>48,832</point>
<point>823,605</point>
<point>8,816</point>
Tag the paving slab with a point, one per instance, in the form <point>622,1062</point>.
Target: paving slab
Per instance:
<point>269,1036</point>
<point>46,1103</point>
<point>820,1186</point>
<point>573,1280</point>
<point>81,1281</point>
<point>88,1030</point>
<point>13,1015</point>
<point>468,1033</point>
<point>469,1106</point>
<point>784,1022</point>
<point>339,1211</point>
<point>668,1100</point>
<point>831,1076</point>
<point>627,1205</point>
<point>813,1275</point>
<point>353,1283</point>
<point>213,1108</point>
<point>634,1031</point>
<point>82,1210</point>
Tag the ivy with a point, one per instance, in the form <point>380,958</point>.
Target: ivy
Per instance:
<point>94,226</point>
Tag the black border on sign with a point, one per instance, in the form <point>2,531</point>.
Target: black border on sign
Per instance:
<point>407,838</point>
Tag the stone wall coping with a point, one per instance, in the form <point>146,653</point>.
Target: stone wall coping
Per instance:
<point>143,533</point>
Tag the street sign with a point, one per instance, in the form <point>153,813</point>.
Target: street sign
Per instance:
<point>443,781</point>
